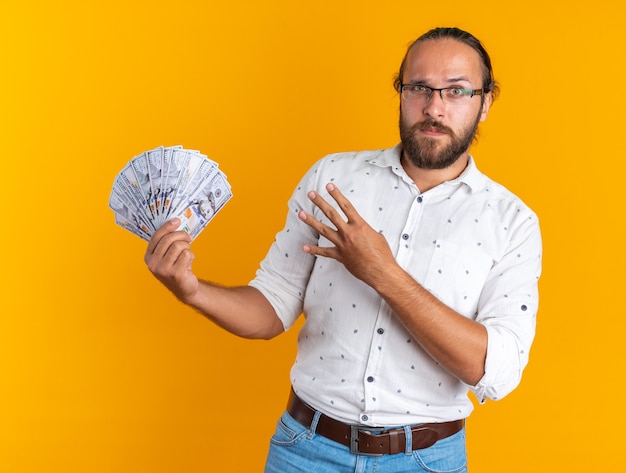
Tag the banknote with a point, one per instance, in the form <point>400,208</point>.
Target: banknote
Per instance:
<point>165,183</point>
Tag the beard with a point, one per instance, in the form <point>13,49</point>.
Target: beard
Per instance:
<point>428,153</point>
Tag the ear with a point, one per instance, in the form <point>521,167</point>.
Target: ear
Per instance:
<point>487,101</point>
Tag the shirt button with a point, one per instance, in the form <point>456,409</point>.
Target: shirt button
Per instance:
<point>370,379</point>
<point>364,418</point>
<point>381,331</point>
<point>419,199</point>
<point>405,236</point>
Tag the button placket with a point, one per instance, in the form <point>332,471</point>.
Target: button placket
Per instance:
<point>374,364</point>
<point>410,226</point>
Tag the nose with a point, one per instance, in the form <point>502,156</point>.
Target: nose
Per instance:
<point>434,106</point>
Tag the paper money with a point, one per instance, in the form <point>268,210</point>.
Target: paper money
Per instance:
<point>165,183</point>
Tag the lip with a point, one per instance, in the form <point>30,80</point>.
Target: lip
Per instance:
<point>430,131</point>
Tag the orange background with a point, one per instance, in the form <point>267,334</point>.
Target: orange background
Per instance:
<point>101,370</point>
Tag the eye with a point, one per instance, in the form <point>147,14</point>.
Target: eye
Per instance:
<point>456,92</point>
<point>415,88</point>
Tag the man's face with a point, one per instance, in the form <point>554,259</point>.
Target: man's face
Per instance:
<point>436,133</point>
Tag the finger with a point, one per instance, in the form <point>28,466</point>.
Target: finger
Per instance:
<point>175,270</point>
<point>176,260</point>
<point>167,229</point>
<point>328,252</point>
<point>185,258</point>
<point>344,204</point>
<point>319,227</point>
<point>177,253</point>
<point>335,217</point>
<point>167,250</point>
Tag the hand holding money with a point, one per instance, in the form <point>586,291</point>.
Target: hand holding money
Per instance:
<point>169,258</point>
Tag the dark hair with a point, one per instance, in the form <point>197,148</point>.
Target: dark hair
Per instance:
<point>489,83</point>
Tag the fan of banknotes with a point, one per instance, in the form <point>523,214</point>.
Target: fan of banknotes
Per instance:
<point>165,183</point>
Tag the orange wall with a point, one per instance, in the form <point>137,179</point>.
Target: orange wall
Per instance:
<point>101,370</point>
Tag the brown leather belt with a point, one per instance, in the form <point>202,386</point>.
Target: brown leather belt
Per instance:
<point>364,440</point>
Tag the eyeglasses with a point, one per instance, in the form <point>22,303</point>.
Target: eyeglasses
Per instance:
<point>421,93</point>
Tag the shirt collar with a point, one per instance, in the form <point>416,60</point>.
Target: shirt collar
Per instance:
<point>470,176</point>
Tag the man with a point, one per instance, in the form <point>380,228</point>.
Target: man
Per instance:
<point>417,275</point>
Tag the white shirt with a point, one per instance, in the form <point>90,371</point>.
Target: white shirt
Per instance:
<point>470,242</point>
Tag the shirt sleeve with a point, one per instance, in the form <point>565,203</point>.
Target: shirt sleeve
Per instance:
<point>508,309</point>
<point>284,273</point>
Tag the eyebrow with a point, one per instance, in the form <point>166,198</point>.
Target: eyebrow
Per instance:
<point>451,80</point>
<point>458,79</point>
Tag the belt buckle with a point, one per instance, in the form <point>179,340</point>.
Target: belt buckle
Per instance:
<point>354,439</point>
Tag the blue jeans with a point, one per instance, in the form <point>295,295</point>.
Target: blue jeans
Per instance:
<point>295,448</point>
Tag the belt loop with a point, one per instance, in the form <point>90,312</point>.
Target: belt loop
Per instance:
<point>313,427</point>
<point>408,435</point>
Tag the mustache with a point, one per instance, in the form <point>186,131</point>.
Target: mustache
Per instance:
<point>431,124</point>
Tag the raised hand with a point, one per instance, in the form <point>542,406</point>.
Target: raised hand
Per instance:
<point>361,249</point>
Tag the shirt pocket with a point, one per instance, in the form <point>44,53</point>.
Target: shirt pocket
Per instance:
<point>456,275</point>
